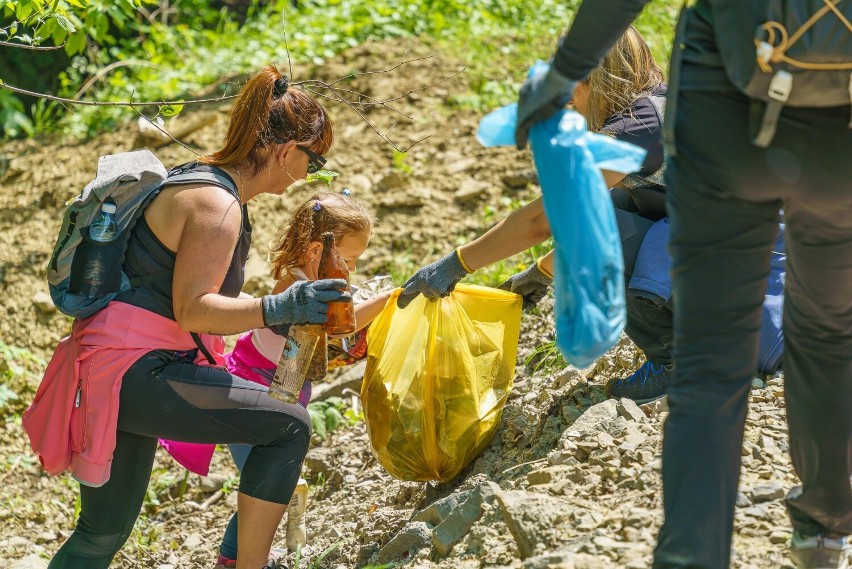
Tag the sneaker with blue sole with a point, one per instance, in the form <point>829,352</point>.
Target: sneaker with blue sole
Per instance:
<point>648,383</point>
<point>819,551</point>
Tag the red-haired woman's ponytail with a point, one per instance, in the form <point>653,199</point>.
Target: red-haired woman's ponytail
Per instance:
<point>270,111</point>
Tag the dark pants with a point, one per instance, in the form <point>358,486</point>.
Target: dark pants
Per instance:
<point>724,197</point>
<point>649,321</point>
<point>165,395</point>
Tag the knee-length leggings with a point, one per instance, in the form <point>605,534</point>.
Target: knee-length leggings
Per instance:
<point>166,395</point>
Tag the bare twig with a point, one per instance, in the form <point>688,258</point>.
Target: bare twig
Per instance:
<point>92,80</point>
<point>355,100</point>
<point>164,131</point>
<point>14,89</point>
<point>394,68</point>
<point>32,47</point>
<point>435,84</point>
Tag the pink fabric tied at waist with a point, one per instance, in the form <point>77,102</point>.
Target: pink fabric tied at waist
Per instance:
<point>73,419</point>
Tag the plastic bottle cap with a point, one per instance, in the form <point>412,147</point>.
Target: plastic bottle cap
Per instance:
<point>108,208</point>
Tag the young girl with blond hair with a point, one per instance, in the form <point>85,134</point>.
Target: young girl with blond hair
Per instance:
<point>295,257</point>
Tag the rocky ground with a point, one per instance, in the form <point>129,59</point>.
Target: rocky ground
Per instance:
<point>569,480</point>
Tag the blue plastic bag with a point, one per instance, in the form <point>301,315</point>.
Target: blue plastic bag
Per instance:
<point>589,267</point>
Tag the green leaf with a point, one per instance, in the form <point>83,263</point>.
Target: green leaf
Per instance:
<point>317,414</point>
<point>333,418</point>
<point>323,176</point>
<point>75,43</point>
<point>66,24</point>
<point>6,395</point>
<point>171,109</point>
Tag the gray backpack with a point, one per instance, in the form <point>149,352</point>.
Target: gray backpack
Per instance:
<point>130,180</point>
<point>796,53</point>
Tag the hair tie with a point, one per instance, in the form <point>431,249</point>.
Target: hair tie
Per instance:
<point>317,205</point>
<point>346,192</point>
<point>280,86</point>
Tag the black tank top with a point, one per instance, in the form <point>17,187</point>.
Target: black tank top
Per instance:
<point>146,255</point>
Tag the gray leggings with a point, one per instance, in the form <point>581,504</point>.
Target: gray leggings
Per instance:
<point>724,197</point>
<point>165,395</point>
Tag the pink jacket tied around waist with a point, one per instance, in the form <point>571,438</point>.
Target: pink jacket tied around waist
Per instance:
<point>73,420</point>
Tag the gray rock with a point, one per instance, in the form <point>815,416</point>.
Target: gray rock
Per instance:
<point>743,501</point>
<point>192,541</point>
<point>390,181</point>
<point>43,303</point>
<point>656,408</point>
<point>533,519</point>
<point>16,541</point>
<point>595,419</point>
<point>212,482</point>
<point>551,560</point>
<point>628,409</point>
<point>359,184</point>
<point>779,536</point>
<point>415,536</point>
<point>453,516</point>
<point>768,492</point>
<point>520,180</point>
<point>29,562</point>
<point>469,190</point>
<point>547,475</point>
<point>461,165</point>
<point>46,537</point>
<point>318,460</point>
<point>414,197</point>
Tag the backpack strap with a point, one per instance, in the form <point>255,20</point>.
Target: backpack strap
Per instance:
<point>767,114</point>
<point>190,177</point>
<point>204,177</point>
<point>197,339</point>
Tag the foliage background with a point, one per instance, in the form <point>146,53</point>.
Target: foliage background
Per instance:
<point>119,50</point>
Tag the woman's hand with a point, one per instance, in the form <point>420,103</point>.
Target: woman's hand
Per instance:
<point>433,281</point>
<point>541,96</point>
<point>304,302</point>
<point>531,283</point>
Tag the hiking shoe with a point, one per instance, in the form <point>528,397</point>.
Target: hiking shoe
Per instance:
<point>649,382</point>
<point>819,551</point>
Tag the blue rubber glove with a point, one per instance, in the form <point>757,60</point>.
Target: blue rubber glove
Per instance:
<point>541,96</point>
<point>304,302</point>
<point>531,283</point>
<point>434,281</point>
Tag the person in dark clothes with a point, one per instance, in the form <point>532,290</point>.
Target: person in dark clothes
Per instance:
<point>724,198</point>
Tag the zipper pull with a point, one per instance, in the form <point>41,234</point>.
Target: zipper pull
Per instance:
<point>78,397</point>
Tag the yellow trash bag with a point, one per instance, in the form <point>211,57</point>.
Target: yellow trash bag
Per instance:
<point>438,374</point>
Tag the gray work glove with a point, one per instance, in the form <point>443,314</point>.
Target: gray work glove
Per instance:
<point>531,283</point>
<point>541,96</point>
<point>434,281</point>
<point>304,302</point>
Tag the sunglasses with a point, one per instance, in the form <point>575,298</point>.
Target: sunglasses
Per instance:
<point>315,161</point>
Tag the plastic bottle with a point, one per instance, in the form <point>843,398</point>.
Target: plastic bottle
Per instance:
<point>297,534</point>
<point>103,230</point>
<point>341,315</point>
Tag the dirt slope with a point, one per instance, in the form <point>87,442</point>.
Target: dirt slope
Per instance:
<point>569,481</point>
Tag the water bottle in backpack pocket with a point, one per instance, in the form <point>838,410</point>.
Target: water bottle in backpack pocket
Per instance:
<point>96,267</point>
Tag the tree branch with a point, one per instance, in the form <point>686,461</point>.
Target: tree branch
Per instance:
<point>32,47</point>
